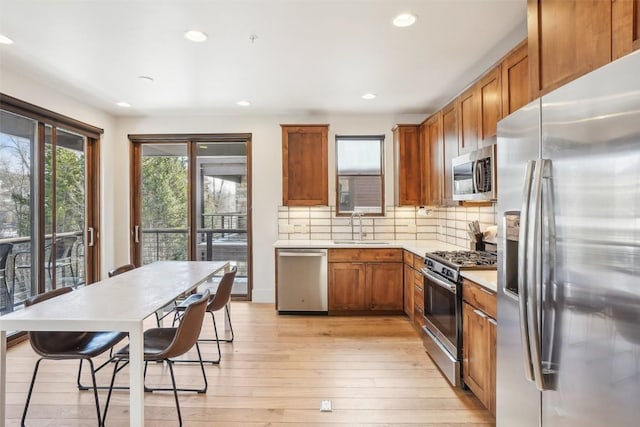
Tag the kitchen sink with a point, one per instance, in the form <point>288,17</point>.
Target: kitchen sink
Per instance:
<point>359,242</point>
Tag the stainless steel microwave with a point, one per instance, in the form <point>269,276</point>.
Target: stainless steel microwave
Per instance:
<point>474,175</point>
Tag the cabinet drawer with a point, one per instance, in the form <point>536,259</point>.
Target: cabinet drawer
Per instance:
<point>407,257</point>
<point>480,297</point>
<point>418,296</point>
<point>418,279</point>
<point>365,255</point>
<point>418,262</point>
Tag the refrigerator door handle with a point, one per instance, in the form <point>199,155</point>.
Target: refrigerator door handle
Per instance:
<point>533,249</point>
<point>522,270</point>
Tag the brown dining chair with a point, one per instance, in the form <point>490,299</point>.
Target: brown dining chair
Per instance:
<point>6,294</point>
<point>165,344</point>
<point>122,269</point>
<point>218,301</point>
<point>68,346</point>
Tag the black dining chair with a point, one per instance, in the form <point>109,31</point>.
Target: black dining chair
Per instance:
<point>69,346</point>
<point>221,299</point>
<point>6,294</point>
<point>165,344</point>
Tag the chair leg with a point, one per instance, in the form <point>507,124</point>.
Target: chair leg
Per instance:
<point>215,329</point>
<point>113,379</point>
<point>33,380</point>
<point>226,309</point>
<point>204,375</point>
<point>95,391</point>
<point>175,391</point>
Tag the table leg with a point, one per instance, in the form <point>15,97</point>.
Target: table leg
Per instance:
<point>136,379</point>
<point>3,376</point>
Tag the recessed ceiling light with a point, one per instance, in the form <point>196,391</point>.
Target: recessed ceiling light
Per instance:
<point>195,36</point>
<point>147,79</point>
<point>123,104</point>
<point>369,96</point>
<point>5,40</point>
<point>243,103</point>
<point>404,20</point>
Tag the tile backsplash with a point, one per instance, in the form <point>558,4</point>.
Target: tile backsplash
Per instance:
<point>399,223</point>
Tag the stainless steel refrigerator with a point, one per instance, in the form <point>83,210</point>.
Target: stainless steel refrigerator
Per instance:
<point>569,255</point>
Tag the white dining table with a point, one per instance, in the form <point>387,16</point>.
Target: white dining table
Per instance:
<point>120,303</point>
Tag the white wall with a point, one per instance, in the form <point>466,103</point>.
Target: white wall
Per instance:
<point>266,171</point>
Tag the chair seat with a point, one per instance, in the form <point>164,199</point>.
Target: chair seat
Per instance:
<point>75,345</point>
<point>188,301</point>
<point>156,341</point>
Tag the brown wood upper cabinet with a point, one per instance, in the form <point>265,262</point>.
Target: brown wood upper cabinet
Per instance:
<point>450,147</point>
<point>304,165</point>
<point>468,121</point>
<point>569,38</point>
<point>625,15</point>
<point>406,142</point>
<point>432,156</point>
<point>515,79</point>
<point>489,93</point>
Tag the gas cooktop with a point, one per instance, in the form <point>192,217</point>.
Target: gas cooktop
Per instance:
<point>466,259</point>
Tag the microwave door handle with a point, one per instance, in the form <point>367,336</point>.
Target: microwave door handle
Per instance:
<point>479,177</point>
<point>522,270</point>
<point>474,173</point>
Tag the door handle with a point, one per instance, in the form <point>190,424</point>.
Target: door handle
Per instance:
<point>90,231</point>
<point>136,234</point>
<point>522,269</point>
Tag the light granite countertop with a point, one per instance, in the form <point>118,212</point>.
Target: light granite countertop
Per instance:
<point>486,278</point>
<point>418,247</point>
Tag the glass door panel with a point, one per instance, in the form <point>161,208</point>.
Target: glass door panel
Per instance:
<point>17,147</point>
<point>66,263</point>
<point>164,214</point>
<point>221,207</point>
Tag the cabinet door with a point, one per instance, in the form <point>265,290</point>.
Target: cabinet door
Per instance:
<point>475,352</point>
<point>468,109</point>
<point>384,286</point>
<point>625,16</point>
<point>493,349</point>
<point>435,170</point>
<point>408,290</point>
<point>347,290</point>
<point>304,165</point>
<point>425,164</point>
<point>450,145</point>
<point>515,80</point>
<point>567,38</point>
<point>489,93</point>
<point>407,165</point>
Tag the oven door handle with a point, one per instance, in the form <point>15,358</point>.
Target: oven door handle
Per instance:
<point>438,281</point>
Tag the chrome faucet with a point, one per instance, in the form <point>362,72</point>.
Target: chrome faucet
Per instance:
<point>357,214</point>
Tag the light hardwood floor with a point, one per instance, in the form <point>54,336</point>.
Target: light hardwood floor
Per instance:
<point>279,368</point>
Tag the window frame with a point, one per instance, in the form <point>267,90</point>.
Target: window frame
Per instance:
<point>381,139</point>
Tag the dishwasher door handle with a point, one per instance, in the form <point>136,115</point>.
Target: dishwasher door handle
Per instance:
<point>297,254</point>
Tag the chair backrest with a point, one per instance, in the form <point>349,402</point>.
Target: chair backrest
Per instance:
<point>64,245</point>
<point>44,342</point>
<point>189,329</point>
<point>121,269</point>
<point>223,294</point>
<point>5,250</point>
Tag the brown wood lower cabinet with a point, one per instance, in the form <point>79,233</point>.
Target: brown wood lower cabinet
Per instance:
<point>365,280</point>
<point>479,343</point>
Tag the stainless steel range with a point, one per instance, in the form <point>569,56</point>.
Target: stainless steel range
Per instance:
<point>443,305</point>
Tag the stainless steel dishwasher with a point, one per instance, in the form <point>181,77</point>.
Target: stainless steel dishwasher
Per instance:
<point>302,281</point>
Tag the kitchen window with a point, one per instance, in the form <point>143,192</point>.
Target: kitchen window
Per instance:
<point>360,176</point>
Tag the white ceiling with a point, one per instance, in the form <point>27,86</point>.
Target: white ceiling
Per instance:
<point>310,56</point>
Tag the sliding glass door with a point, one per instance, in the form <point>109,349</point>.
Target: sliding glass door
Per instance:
<point>49,204</point>
<point>193,183</point>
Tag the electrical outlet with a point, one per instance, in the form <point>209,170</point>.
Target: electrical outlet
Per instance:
<point>287,228</point>
<point>325,406</point>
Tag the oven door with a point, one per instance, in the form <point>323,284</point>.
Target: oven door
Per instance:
<point>442,311</point>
